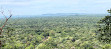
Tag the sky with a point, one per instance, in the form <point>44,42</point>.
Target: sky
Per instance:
<point>38,7</point>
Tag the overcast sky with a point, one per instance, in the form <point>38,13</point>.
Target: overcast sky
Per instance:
<point>37,7</point>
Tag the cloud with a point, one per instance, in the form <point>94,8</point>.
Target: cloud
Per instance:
<point>103,1</point>
<point>16,2</point>
<point>57,6</point>
<point>29,2</point>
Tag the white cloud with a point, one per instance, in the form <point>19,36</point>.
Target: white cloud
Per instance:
<point>16,2</point>
<point>29,2</point>
<point>103,1</point>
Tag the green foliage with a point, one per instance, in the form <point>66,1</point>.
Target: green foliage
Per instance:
<point>105,29</point>
<point>48,44</point>
<point>60,32</point>
<point>107,46</point>
<point>30,47</point>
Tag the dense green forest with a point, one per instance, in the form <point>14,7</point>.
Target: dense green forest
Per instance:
<point>53,32</point>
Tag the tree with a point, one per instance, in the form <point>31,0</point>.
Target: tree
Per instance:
<point>105,28</point>
<point>1,28</point>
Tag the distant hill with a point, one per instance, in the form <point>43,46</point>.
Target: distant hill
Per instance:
<point>57,14</point>
<point>62,14</point>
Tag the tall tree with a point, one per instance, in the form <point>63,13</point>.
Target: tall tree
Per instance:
<point>105,29</point>
<point>1,27</point>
